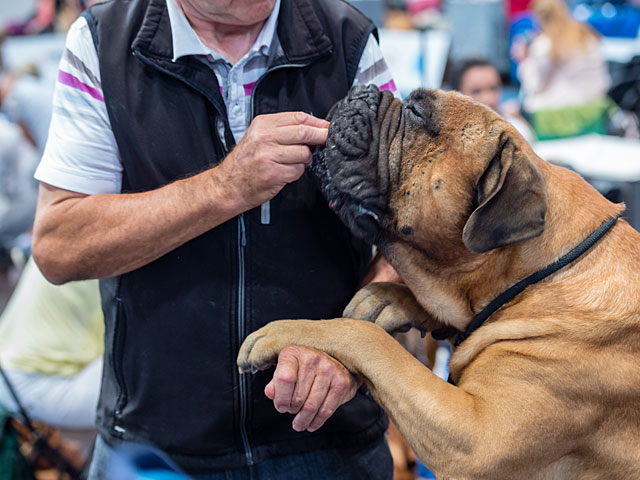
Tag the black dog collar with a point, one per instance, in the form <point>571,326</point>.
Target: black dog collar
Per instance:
<point>514,290</point>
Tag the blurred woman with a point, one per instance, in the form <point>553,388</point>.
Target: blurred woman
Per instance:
<point>563,75</point>
<point>51,345</point>
<point>478,78</point>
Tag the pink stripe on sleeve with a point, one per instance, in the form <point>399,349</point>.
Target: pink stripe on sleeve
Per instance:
<point>390,85</point>
<point>71,81</point>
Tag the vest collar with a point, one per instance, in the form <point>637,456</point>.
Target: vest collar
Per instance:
<point>301,34</point>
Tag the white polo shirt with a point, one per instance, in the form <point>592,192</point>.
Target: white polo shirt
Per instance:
<point>81,154</point>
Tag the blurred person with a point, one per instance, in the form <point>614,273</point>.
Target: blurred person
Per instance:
<point>41,21</point>
<point>18,190</point>
<point>68,11</point>
<point>175,172</point>
<point>26,99</point>
<point>49,16</point>
<point>18,161</point>
<point>564,78</point>
<point>51,344</point>
<point>478,78</point>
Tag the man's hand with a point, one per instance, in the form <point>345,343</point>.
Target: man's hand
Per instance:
<point>311,384</point>
<point>273,152</point>
<point>380,271</point>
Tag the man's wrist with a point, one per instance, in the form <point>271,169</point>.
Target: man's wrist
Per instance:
<point>223,194</point>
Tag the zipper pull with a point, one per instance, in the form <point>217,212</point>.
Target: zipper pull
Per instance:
<point>265,213</point>
<point>243,231</point>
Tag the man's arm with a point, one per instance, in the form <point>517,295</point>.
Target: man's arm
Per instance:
<point>380,271</point>
<point>80,236</point>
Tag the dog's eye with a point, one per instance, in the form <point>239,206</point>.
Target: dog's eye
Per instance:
<point>418,112</point>
<point>412,108</point>
<point>423,116</point>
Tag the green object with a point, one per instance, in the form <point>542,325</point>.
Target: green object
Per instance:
<point>571,121</point>
<point>13,466</point>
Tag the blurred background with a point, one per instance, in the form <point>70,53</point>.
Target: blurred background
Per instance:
<point>566,74</point>
<point>573,93</point>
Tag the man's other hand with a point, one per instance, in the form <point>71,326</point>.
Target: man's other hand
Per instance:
<point>310,384</point>
<point>274,151</point>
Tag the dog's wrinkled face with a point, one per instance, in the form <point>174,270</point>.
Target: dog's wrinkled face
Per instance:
<point>437,169</point>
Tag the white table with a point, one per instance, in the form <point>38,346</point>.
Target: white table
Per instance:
<point>600,159</point>
<point>620,50</point>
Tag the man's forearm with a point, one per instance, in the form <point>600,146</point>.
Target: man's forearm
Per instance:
<point>79,237</point>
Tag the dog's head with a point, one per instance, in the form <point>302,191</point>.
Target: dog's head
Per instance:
<point>438,172</point>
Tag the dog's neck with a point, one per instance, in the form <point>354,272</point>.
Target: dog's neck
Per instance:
<point>455,294</point>
<point>536,277</point>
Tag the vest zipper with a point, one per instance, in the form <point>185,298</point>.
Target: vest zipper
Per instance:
<point>242,317</point>
<point>242,320</point>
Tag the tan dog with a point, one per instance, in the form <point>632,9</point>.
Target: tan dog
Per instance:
<point>549,386</point>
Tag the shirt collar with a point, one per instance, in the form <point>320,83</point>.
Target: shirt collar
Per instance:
<point>186,41</point>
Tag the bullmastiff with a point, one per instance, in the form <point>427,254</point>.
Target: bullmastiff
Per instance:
<point>548,386</point>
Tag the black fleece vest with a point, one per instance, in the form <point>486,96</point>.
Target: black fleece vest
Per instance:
<point>173,327</point>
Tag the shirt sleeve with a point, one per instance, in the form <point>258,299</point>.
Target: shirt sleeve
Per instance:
<point>373,69</point>
<point>81,154</point>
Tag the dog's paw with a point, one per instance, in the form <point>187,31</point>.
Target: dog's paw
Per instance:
<point>260,349</point>
<point>389,305</point>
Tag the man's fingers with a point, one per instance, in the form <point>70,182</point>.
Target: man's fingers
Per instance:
<point>307,377</point>
<point>291,173</point>
<point>310,120</point>
<point>309,384</point>
<point>292,118</point>
<point>290,154</point>
<point>318,393</point>
<point>334,398</point>
<point>270,390</point>
<point>284,381</point>
<point>302,135</point>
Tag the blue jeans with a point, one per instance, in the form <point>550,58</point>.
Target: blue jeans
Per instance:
<point>371,463</point>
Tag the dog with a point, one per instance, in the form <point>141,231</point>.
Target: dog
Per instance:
<point>548,387</point>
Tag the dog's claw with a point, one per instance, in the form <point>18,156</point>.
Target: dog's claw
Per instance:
<point>250,369</point>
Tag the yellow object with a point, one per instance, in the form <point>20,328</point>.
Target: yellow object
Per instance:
<point>49,329</point>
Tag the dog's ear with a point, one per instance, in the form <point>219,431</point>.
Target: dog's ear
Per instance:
<point>511,200</point>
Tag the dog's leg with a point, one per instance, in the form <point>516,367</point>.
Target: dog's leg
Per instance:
<point>391,306</point>
<point>456,432</point>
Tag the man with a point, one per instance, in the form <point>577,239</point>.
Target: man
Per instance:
<point>479,79</point>
<point>18,160</point>
<point>200,241</point>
